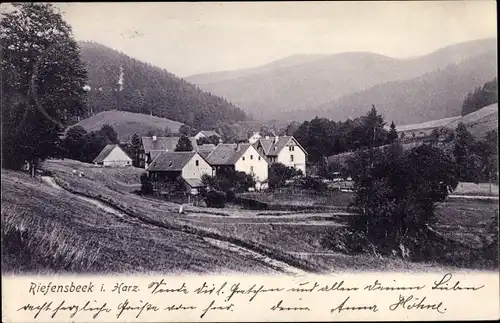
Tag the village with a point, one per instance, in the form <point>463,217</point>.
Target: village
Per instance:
<point>166,166</point>
<point>311,163</point>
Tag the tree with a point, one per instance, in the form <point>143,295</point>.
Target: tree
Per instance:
<point>43,83</point>
<point>94,143</point>
<point>186,131</point>
<point>110,134</point>
<point>279,174</point>
<point>481,97</point>
<point>465,156</point>
<point>373,133</point>
<point>74,142</point>
<point>184,144</point>
<point>137,102</point>
<point>396,199</point>
<point>146,185</point>
<point>136,147</point>
<point>392,134</point>
<point>167,132</point>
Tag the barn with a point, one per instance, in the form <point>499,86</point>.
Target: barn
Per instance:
<point>113,155</point>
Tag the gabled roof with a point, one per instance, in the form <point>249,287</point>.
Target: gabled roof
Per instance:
<point>209,133</point>
<point>228,154</point>
<point>164,143</point>
<point>105,152</point>
<point>171,161</point>
<point>205,150</point>
<point>272,147</point>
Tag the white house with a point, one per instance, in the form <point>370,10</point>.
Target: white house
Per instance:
<point>254,138</point>
<point>171,166</point>
<point>112,155</point>
<point>241,157</point>
<point>283,149</point>
<point>207,134</point>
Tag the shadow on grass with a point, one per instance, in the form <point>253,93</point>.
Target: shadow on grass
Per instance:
<point>28,246</point>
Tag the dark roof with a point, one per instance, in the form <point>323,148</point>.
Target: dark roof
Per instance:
<point>205,150</point>
<point>226,154</point>
<point>105,152</point>
<point>164,143</point>
<point>155,153</point>
<point>194,182</point>
<point>209,133</point>
<point>272,147</point>
<point>171,161</point>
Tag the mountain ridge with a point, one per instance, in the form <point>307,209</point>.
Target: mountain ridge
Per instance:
<point>270,91</point>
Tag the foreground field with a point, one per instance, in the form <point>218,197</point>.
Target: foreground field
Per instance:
<point>46,229</point>
<point>247,240</point>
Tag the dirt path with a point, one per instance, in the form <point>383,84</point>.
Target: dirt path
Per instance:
<point>275,264</point>
<point>474,197</point>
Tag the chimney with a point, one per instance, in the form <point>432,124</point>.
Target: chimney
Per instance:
<point>237,146</point>
<point>154,138</point>
<point>276,138</point>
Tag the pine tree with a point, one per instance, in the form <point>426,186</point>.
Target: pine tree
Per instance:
<point>136,146</point>
<point>110,134</point>
<point>42,82</point>
<point>184,144</point>
<point>393,134</point>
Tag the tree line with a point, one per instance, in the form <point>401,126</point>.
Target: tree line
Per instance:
<point>481,97</point>
<point>150,90</point>
<point>322,137</point>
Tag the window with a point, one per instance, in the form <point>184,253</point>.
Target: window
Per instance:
<point>291,148</point>
<point>291,158</point>
<point>259,157</point>
<point>243,158</point>
<point>251,169</point>
<point>197,163</point>
<point>251,156</point>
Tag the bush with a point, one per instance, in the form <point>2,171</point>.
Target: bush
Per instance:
<point>215,199</point>
<point>315,184</point>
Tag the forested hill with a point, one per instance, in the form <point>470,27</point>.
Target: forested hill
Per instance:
<point>150,90</point>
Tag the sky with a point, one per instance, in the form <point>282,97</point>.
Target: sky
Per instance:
<point>191,38</point>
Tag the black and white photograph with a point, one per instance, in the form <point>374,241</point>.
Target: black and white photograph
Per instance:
<point>239,138</point>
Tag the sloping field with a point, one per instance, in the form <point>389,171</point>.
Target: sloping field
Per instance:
<point>49,230</point>
<point>128,123</point>
<point>298,239</point>
<point>478,122</point>
<point>429,124</point>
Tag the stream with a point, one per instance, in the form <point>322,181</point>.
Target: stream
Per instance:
<point>247,253</point>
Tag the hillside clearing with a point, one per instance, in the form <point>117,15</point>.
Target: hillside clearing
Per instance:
<point>127,123</point>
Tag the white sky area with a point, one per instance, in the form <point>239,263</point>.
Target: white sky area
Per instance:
<point>191,38</point>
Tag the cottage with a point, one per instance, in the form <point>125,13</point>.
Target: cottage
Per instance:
<point>241,157</point>
<point>113,155</point>
<point>284,149</point>
<point>207,134</point>
<point>170,169</point>
<point>151,147</point>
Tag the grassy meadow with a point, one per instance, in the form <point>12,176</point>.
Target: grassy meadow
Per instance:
<point>153,237</point>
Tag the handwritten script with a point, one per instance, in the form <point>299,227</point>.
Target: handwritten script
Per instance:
<point>207,300</point>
